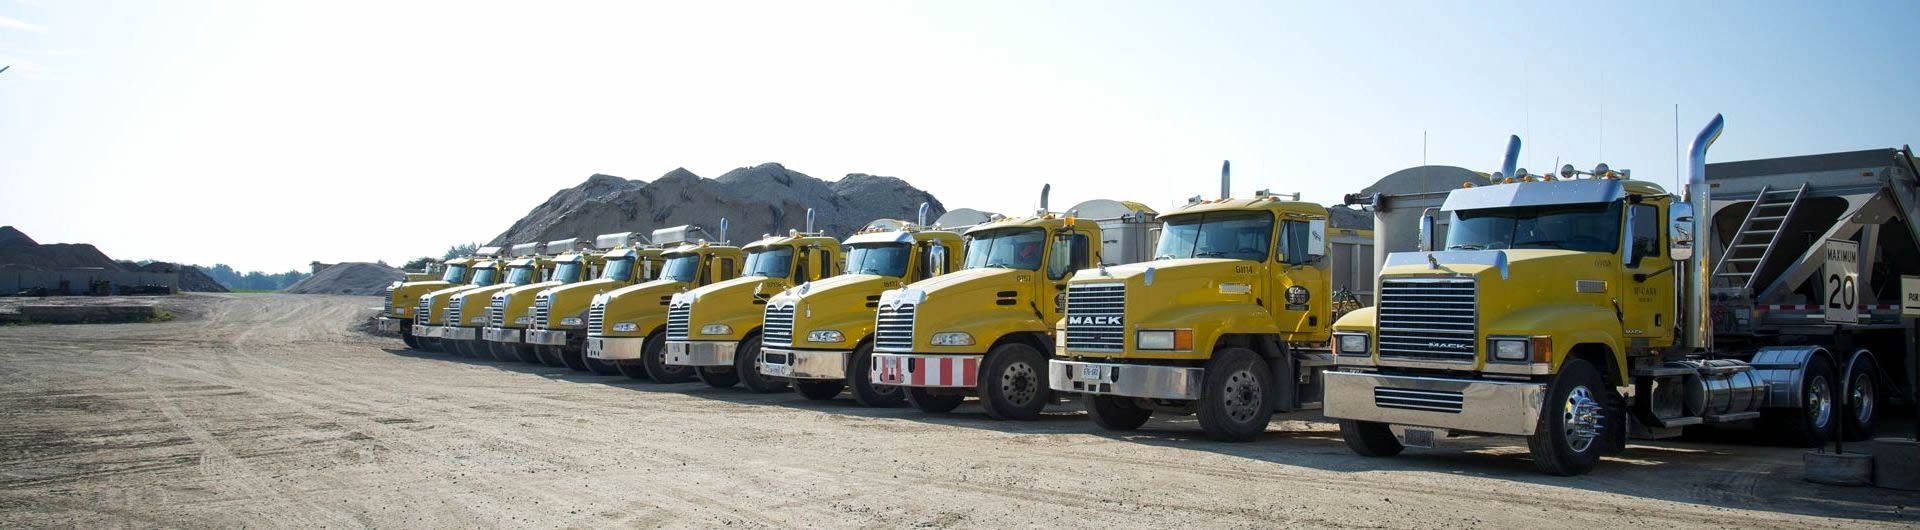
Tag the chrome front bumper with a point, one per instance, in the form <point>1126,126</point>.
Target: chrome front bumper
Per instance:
<point>925,371</point>
<point>426,331</point>
<point>701,353</point>
<point>501,334</point>
<point>459,333</point>
<point>1130,380</point>
<point>547,337</point>
<point>393,325</point>
<point>616,348</point>
<point>1494,407</point>
<point>804,364</point>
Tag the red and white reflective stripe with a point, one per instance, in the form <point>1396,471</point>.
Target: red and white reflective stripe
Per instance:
<point>1816,307</point>
<point>926,371</point>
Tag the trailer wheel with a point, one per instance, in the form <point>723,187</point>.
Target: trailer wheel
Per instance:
<point>1862,400</point>
<point>1116,413</point>
<point>1568,439</point>
<point>747,361</point>
<point>929,402</point>
<point>717,376</point>
<point>860,373</point>
<point>819,390</point>
<point>1014,384</point>
<point>1236,399</point>
<point>1370,439</point>
<point>526,353</point>
<point>1810,424</point>
<point>653,355</point>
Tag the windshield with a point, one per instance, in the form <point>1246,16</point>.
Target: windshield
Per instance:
<point>772,263</point>
<point>568,272</point>
<point>681,268</point>
<point>454,274</point>
<point>521,275</point>
<point>619,270</point>
<point>1015,248</point>
<point>485,277</point>
<point>1232,235</point>
<point>1581,227</point>
<point>885,259</point>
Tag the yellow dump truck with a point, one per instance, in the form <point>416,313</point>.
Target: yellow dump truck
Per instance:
<point>467,310</point>
<point>429,313</point>
<point>819,335</point>
<point>715,329</point>
<point>627,326</point>
<point>396,313</point>
<point>558,328</point>
<point>510,313</point>
<point>986,329</point>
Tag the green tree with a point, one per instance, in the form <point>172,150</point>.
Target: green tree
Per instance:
<point>461,251</point>
<point>420,263</point>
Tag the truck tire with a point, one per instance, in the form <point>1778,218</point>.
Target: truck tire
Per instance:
<point>717,376</point>
<point>526,353</point>
<point>1566,442</point>
<point>549,355</point>
<point>1370,439</point>
<point>500,352</point>
<point>1862,400</point>
<point>598,366</point>
<point>1812,423</point>
<point>1013,383</point>
<point>929,402</point>
<point>633,369</point>
<point>747,363</point>
<point>653,356</point>
<point>1236,396</point>
<point>860,374</point>
<point>574,358</point>
<point>406,337</point>
<point>819,390</point>
<point>1116,413</point>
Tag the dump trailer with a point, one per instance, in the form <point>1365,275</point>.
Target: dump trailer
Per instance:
<point>819,335</point>
<point>715,329</point>
<point>429,314</point>
<point>1230,321</point>
<point>557,330</point>
<point>627,327</point>
<point>396,314</point>
<point>629,257</point>
<point>986,329</point>
<point>467,311</point>
<point>1581,308</point>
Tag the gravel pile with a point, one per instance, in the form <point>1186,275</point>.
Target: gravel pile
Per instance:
<point>17,251</point>
<point>349,278</point>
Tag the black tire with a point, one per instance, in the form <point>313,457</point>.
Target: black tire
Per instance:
<point>598,366</point>
<point>1013,383</point>
<point>406,337</point>
<point>504,352</point>
<point>457,347</point>
<point>653,355</point>
<point>1863,402</point>
<point>550,355</point>
<point>717,376</point>
<point>747,363</point>
<point>929,402</point>
<point>1556,449</point>
<point>574,358</point>
<point>1370,439</point>
<point>1236,396</point>
<point>430,344</point>
<point>819,390</point>
<point>1116,413</point>
<point>526,353</point>
<point>860,375</point>
<point>1811,424</point>
<point>633,369</point>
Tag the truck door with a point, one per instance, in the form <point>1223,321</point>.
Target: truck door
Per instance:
<point>1645,291</point>
<point>1070,251</point>
<point>1300,289</point>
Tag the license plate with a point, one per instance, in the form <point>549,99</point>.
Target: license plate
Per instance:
<point>1420,438</point>
<point>781,370</point>
<point>1089,372</point>
<point>593,348</point>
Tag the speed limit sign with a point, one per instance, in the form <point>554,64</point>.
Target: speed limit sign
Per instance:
<point>1842,282</point>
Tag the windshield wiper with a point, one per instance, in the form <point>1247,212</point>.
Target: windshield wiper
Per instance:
<point>1545,243</point>
<point>1466,246</point>
<point>1209,254</point>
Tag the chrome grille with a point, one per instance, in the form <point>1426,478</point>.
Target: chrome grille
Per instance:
<point>453,311</point>
<point>1428,319</point>
<point>1095,317</point>
<point>497,313</point>
<point>596,317</point>
<point>1427,400</point>
<point>387,308</point>
<point>893,328</point>
<point>777,329</point>
<point>421,310</point>
<point>541,305</point>
<point>677,317</point>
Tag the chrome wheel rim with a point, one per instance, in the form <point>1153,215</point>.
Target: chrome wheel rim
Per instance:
<point>1580,418</point>
<point>1242,392</point>
<point>1819,401</point>
<point>1019,384</point>
<point>1861,393</point>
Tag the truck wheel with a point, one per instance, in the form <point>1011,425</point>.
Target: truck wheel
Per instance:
<point>860,372</point>
<point>549,355</point>
<point>504,352</point>
<point>526,353</point>
<point>458,347</point>
<point>717,377</point>
<point>406,337</point>
<point>929,402</point>
<point>819,390</point>
<point>1811,424</point>
<point>1116,413</point>
<point>598,366</point>
<point>574,358</point>
<point>653,356</point>
<point>1567,441</point>
<point>1014,384</point>
<point>1862,400</point>
<point>633,369</point>
<point>1236,397</point>
<point>1371,439</point>
<point>747,362</point>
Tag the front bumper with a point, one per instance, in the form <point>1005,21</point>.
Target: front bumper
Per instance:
<point>701,353</point>
<point>925,371</point>
<point>616,348</point>
<point>459,333</point>
<point>547,337</point>
<point>426,331</point>
<point>804,364</point>
<point>1130,380</point>
<point>1495,407</point>
<point>501,334</point>
<point>393,325</point>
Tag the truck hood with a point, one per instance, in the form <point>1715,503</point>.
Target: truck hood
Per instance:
<point>531,289</point>
<point>1519,284</point>
<point>856,286</point>
<point>1183,268</point>
<point>647,291</point>
<point>589,287</point>
<point>967,280</point>
<point>744,286</point>
<point>481,296</point>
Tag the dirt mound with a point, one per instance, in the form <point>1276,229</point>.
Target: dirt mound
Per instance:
<point>191,278</point>
<point>349,278</point>
<point>13,237</point>
<point>17,251</point>
<point>763,199</point>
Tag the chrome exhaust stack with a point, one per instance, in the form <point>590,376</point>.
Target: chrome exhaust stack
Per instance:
<point>1699,325</point>
<point>1226,179</point>
<point>1512,161</point>
<point>809,220</point>
<point>924,210</point>
<point>1045,189</point>
<point>723,231</point>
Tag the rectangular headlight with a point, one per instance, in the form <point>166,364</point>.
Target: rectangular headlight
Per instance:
<point>1163,339</point>
<point>1511,350</point>
<point>1350,343</point>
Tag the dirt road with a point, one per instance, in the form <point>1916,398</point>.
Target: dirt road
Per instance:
<point>269,410</point>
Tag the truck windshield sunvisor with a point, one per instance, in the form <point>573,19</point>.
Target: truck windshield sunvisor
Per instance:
<point>619,270</point>
<point>485,277</point>
<point>1017,248</point>
<point>681,268</point>
<point>885,259</point>
<point>1578,227</point>
<point>454,274</point>
<point>567,272</point>
<point>771,263</point>
<point>1231,235</point>
<point>521,275</point>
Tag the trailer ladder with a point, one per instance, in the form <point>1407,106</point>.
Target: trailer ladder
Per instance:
<point>1753,244</point>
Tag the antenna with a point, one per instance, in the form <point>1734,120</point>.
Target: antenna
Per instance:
<point>1676,145</point>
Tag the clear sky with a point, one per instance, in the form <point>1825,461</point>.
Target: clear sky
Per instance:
<point>269,134</point>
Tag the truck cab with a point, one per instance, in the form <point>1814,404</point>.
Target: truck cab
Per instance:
<point>397,313</point>
<point>557,330</point>
<point>819,335</point>
<point>430,312</point>
<point>622,255</point>
<point>984,330</point>
<point>626,327</point>
<point>467,311</point>
<point>716,329</point>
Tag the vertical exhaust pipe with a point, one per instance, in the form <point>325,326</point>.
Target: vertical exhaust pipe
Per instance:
<point>922,217</point>
<point>1226,179</point>
<point>1044,190</point>
<point>723,230</point>
<point>809,220</point>
<point>1512,162</point>
<point>1699,330</point>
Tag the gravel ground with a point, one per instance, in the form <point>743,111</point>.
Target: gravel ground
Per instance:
<point>269,410</point>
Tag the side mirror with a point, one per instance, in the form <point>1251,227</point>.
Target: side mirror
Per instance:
<point>1680,230</point>
<point>1316,238</point>
<point>937,260</point>
<point>1628,249</point>
<point>1427,233</point>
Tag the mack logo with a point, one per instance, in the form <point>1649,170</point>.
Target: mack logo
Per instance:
<point>1093,321</point>
<point>1450,346</point>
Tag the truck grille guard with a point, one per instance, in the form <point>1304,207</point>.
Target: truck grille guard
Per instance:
<point>1096,317</point>
<point>1428,319</point>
